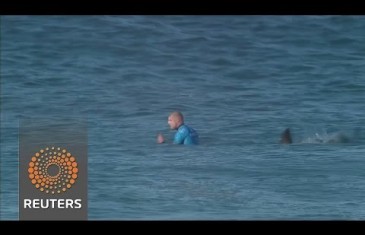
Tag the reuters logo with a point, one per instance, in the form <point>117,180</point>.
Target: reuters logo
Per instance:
<point>53,170</point>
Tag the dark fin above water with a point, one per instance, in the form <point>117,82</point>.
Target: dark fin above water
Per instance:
<point>286,137</point>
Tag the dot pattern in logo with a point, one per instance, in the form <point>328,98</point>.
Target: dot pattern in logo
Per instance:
<point>61,160</point>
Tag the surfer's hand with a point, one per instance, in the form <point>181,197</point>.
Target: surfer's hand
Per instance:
<point>160,138</point>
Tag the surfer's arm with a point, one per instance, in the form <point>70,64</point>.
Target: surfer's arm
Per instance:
<point>180,136</point>
<point>160,138</point>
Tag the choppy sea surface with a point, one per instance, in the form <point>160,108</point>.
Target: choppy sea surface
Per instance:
<point>238,80</point>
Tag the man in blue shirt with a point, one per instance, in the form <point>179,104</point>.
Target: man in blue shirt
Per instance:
<point>184,134</point>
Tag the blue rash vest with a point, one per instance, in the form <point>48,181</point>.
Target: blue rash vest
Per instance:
<point>186,135</point>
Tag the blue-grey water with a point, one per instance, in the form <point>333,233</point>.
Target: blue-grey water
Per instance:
<point>239,81</point>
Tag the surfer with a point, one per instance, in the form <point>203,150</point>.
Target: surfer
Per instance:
<point>184,135</point>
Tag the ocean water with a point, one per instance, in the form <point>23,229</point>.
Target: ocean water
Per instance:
<point>238,80</point>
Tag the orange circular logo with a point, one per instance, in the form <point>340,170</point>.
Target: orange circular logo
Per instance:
<point>53,170</point>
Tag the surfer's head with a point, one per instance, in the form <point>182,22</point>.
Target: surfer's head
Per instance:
<point>175,120</point>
